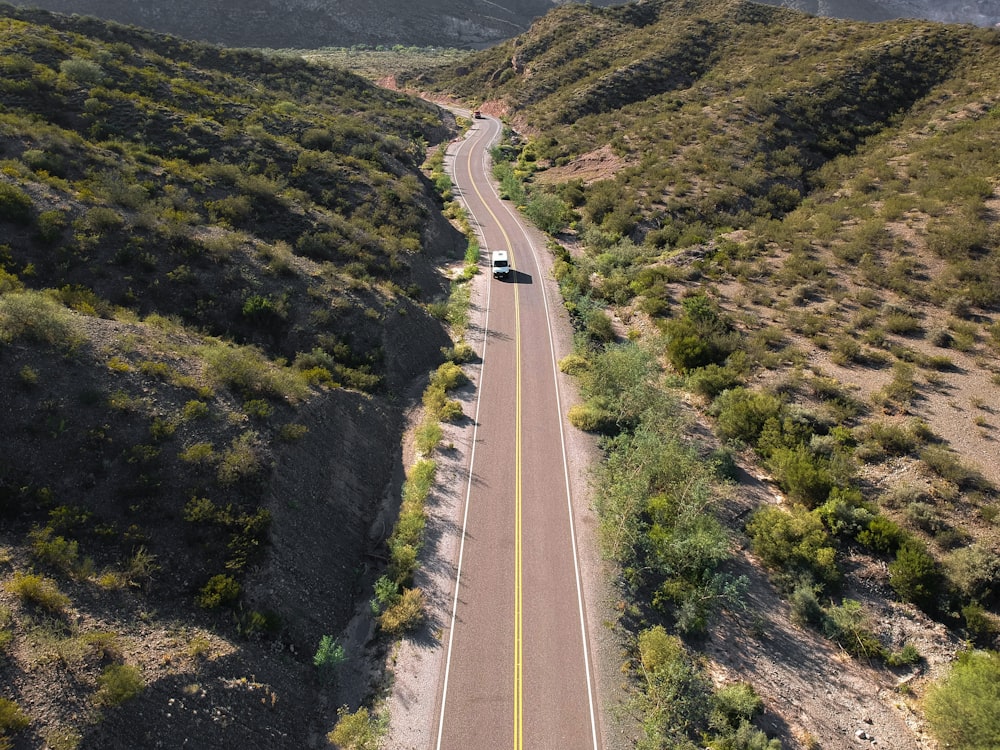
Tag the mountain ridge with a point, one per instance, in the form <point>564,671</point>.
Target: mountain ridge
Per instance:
<point>300,24</point>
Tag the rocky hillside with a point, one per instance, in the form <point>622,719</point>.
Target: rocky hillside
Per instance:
<point>215,270</point>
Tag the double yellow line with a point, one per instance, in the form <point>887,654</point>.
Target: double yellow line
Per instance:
<point>518,606</point>
<point>518,610</point>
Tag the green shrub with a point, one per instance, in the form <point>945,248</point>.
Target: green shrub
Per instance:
<point>448,376</point>
<point>221,590</point>
<point>329,657</point>
<point>948,465</point>
<point>803,475</point>
<point>118,683</point>
<point>50,225</point>
<point>962,708</point>
<point>677,697</point>
<point>914,575</point>
<point>805,606</point>
<point>58,552</point>
<point>248,370</point>
<point>194,410</point>
<point>736,702</point>
<point>882,535</point>
<point>386,594</point>
<point>241,461</point>
<point>81,71</point>
<point>427,437</point>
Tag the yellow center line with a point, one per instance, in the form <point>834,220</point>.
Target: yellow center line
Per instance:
<point>518,611</point>
<point>518,608</point>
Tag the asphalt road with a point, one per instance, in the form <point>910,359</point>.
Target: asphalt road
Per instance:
<point>517,672</point>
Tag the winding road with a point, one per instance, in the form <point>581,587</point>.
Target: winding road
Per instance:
<point>517,671</point>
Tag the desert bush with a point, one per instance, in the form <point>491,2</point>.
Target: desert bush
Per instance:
<point>794,543</point>
<point>357,731</point>
<point>38,590</point>
<point>895,439</point>
<point>961,708</point>
<point>734,703</point>
<point>711,380</point>
<point>58,552</point>
<point>427,436</point>
<point>36,316</point>
<point>405,615</point>
<point>591,416</point>
<point>81,71</point>
<point>242,460</point>
<point>194,409</point>
<point>849,625</point>
<point>676,699</point>
<point>742,413</point>
<point>117,684</point>
<point>948,465</point>
<point>901,323</point>
<point>973,571</point>
<point>805,606</point>
<point>12,721</point>
<point>548,212</point>
<point>249,371</point>
<point>221,590</point>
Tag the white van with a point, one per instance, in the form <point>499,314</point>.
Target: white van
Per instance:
<point>501,265</point>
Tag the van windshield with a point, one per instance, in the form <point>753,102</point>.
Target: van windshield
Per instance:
<point>499,262</point>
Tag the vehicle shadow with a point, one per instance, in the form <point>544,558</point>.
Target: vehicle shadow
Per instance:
<point>516,277</point>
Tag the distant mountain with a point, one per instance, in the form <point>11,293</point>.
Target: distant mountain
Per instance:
<point>447,23</point>
<point>978,12</point>
<point>319,23</point>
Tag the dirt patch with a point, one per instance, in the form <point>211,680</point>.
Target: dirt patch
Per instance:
<point>602,164</point>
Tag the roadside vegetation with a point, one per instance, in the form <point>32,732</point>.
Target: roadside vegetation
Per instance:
<point>807,255</point>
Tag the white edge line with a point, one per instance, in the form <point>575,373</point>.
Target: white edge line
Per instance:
<point>468,491</point>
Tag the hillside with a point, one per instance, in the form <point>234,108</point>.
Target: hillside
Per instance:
<point>788,226</point>
<point>215,270</point>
